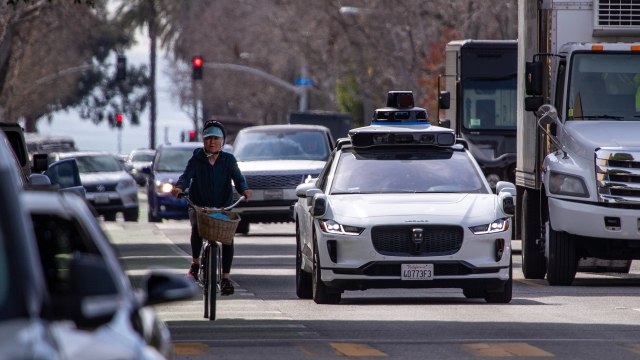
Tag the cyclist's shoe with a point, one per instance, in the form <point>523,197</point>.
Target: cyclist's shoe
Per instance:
<point>226,287</point>
<point>192,274</point>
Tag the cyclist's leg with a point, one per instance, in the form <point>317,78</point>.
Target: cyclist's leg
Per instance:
<point>227,259</point>
<point>196,245</point>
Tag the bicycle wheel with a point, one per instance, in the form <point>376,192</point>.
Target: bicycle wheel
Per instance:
<point>212,279</point>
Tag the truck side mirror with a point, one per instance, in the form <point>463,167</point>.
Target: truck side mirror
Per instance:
<point>533,78</point>
<point>547,114</point>
<point>444,100</point>
<point>445,123</point>
<point>533,103</point>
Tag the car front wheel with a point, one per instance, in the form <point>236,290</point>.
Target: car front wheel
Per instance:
<point>304,283</point>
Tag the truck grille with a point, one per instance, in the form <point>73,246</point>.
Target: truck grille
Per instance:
<point>397,240</point>
<point>618,175</point>
<point>273,181</point>
<point>618,13</point>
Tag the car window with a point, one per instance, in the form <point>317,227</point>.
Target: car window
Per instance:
<point>281,145</point>
<point>59,239</point>
<point>142,157</point>
<point>97,163</point>
<point>174,160</point>
<point>430,171</point>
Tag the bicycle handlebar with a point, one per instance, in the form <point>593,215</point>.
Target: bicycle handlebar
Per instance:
<point>182,195</point>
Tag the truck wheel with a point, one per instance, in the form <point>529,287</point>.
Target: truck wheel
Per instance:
<point>304,283</point>
<point>505,296</point>
<point>533,260</point>
<point>562,263</point>
<point>321,293</point>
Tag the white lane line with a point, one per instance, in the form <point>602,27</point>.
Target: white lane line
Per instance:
<point>417,341</point>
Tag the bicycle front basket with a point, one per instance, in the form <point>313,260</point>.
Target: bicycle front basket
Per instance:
<point>217,229</point>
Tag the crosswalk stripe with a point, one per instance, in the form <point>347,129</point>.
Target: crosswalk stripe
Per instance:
<point>504,349</point>
<point>352,349</point>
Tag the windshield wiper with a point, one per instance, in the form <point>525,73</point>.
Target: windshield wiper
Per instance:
<point>603,117</point>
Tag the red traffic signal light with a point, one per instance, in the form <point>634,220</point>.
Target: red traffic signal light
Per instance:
<point>197,67</point>
<point>119,121</point>
<point>192,136</point>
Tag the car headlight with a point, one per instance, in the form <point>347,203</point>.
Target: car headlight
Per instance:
<point>163,187</point>
<point>496,226</point>
<point>134,171</point>
<point>126,183</point>
<point>563,184</point>
<point>332,227</point>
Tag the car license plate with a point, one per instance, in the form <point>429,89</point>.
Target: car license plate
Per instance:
<point>273,194</point>
<point>101,199</point>
<point>417,271</point>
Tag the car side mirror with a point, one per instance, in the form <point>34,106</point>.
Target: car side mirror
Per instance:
<point>162,287</point>
<point>318,205</point>
<point>310,194</point>
<point>444,100</point>
<point>66,176</point>
<point>146,169</point>
<point>507,203</point>
<point>301,190</point>
<point>128,167</point>
<point>505,186</point>
<point>39,162</point>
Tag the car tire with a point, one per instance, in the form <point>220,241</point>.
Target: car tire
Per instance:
<point>153,219</point>
<point>243,227</point>
<point>131,215</point>
<point>109,216</point>
<point>304,282</point>
<point>503,297</point>
<point>321,294</point>
<point>534,264</point>
<point>473,293</point>
<point>562,263</point>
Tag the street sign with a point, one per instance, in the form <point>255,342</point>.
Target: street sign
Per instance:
<point>304,82</point>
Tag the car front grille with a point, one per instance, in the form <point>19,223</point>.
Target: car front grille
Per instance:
<point>397,240</point>
<point>107,187</point>
<point>273,181</point>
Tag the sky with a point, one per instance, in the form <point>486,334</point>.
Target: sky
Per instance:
<point>89,136</point>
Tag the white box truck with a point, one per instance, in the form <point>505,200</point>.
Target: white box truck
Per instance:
<point>578,146</point>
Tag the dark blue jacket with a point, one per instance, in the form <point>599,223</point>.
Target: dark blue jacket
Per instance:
<point>209,185</point>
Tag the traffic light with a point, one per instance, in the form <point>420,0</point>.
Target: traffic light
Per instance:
<point>121,68</point>
<point>192,136</point>
<point>119,121</point>
<point>197,67</point>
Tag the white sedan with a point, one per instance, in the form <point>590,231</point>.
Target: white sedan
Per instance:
<point>403,216</point>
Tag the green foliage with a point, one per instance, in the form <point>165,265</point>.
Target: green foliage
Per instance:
<point>102,97</point>
<point>348,100</point>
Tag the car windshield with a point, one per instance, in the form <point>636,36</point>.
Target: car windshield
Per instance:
<point>173,160</point>
<point>604,87</point>
<point>422,171</point>
<point>97,163</point>
<point>142,157</point>
<point>489,104</point>
<point>279,144</point>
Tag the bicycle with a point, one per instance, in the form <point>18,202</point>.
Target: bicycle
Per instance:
<point>213,230</point>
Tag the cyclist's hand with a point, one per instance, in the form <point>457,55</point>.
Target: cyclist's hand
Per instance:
<point>176,192</point>
<point>247,194</point>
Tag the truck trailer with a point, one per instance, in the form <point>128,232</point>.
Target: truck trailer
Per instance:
<point>480,84</point>
<point>578,148</point>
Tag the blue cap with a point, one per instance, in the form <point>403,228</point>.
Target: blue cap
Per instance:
<point>212,131</point>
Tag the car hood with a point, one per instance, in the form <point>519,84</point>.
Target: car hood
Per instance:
<point>104,177</point>
<point>281,165</point>
<point>22,338</point>
<point>423,206</point>
<point>584,137</point>
<point>167,176</point>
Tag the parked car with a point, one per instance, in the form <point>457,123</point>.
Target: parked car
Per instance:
<point>109,188</point>
<point>69,238</point>
<point>136,161</point>
<point>168,164</point>
<point>274,159</point>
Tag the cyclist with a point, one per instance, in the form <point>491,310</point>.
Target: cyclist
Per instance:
<point>208,176</point>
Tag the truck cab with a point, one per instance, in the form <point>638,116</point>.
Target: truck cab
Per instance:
<point>577,174</point>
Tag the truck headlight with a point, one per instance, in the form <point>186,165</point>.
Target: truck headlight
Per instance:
<point>332,227</point>
<point>563,184</point>
<point>496,226</point>
<point>163,187</point>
